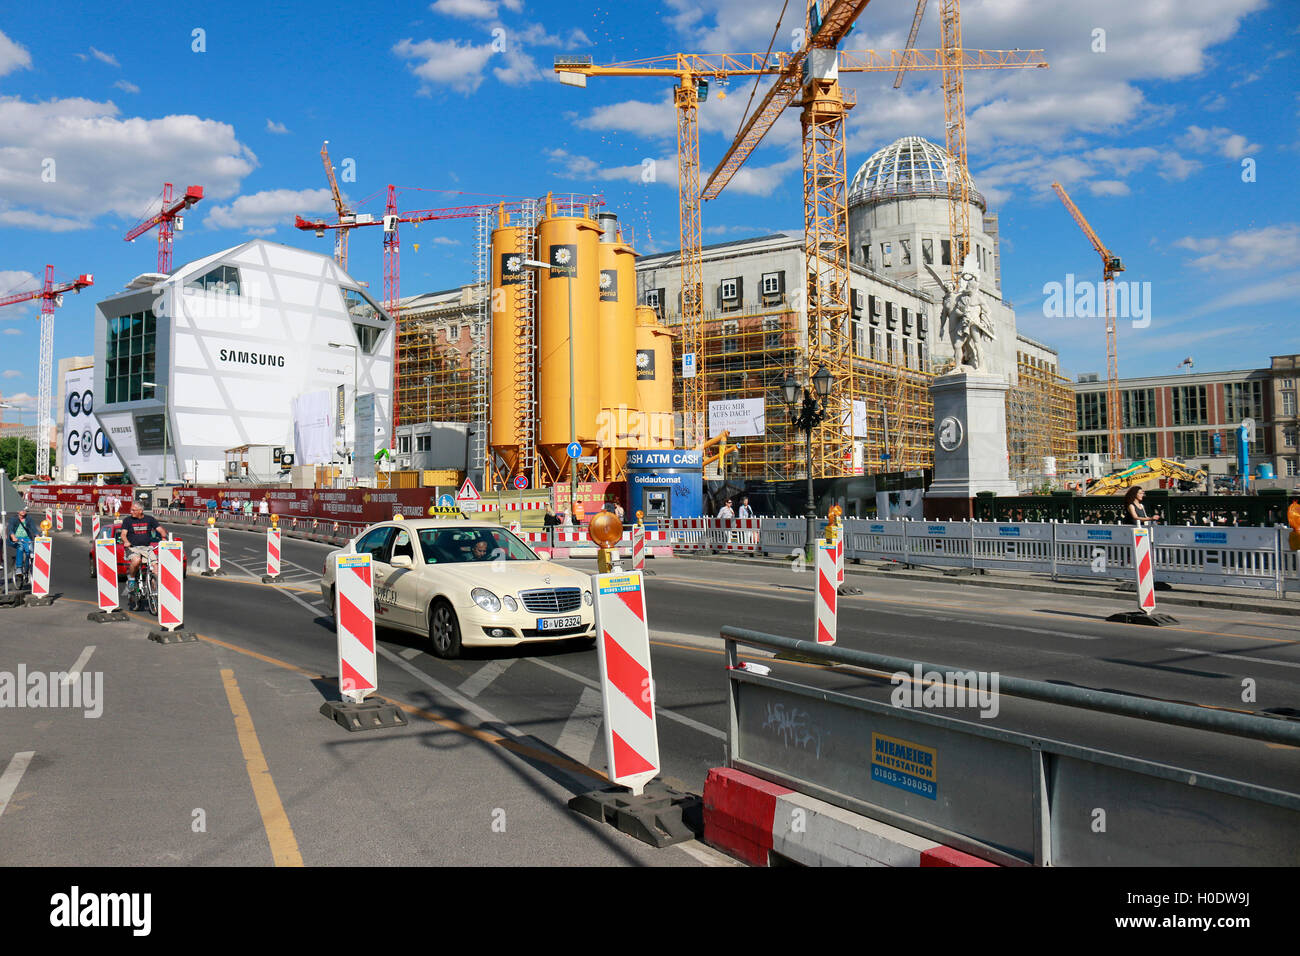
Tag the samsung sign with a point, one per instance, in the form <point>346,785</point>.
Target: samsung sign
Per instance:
<point>238,357</point>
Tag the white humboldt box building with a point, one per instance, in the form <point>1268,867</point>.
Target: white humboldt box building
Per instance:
<point>237,340</point>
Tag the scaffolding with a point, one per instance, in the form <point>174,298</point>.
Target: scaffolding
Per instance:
<point>749,352</point>
<point>454,387</point>
<point>1040,418</point>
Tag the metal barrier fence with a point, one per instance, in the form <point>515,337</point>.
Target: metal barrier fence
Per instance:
<point>1008,797</point>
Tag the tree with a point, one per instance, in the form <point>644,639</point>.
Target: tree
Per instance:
<point>8,451</point>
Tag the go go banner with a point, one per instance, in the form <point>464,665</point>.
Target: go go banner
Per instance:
<point>354,616</point>
<point>626,685</point>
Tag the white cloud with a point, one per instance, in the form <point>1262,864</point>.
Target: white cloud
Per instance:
<point>445,241</point>
<point>446,63</point>
<point>751,180</point>
<point>1217,139</point>
<point>102,163</point>
<point>468,9</point>
<point>13,56</point>
<point>102,57</point>
<point>127,86</point>
<point>13,331</point>
<point>274,127</point>
<point>13,373</point>
<point>13,281</point>
<point>1108,187</point>
<point>1248,249</point>
<point>263,212</point>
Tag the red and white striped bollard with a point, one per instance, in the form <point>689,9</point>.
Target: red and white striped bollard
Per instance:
<point>171,578</point>
<point>41,570</point>
<point>354,616</point>
<point>626,685</point>
<point>826,597</point>
<point>272,555</point>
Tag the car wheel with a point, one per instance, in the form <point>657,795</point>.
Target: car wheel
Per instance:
<point>444,630</point>
<point>333,601</point>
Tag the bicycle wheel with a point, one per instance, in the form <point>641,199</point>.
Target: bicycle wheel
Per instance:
<point>151,595</point>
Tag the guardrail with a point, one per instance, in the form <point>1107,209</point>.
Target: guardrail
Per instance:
<point>1008,797</point>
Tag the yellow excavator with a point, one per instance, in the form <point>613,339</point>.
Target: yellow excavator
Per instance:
<point>1149,469</point>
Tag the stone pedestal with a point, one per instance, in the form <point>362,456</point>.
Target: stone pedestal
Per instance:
<point>970,436</point>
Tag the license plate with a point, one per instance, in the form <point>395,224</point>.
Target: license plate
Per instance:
<point>557,623</point>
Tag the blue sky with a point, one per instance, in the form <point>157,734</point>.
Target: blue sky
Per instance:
<point>1147,125</point>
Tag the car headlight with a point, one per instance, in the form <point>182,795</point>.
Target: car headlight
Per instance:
<point>586,597</point>
<point>511,604</point>
<point>486,599</point>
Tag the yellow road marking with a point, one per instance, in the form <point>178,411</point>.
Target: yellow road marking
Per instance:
<point>279,833</point>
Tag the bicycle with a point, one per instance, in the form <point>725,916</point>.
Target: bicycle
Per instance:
<point>144,585</point>
<point>21,570</point>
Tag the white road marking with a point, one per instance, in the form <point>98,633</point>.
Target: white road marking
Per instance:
<point>75,672</point>
<point>578,739</point>
<point>484,715</point>
<point>1237,657</point>
<point>478,682</point>
<point>411,653</point>
<point>13,773</point>
<point>659,711</point>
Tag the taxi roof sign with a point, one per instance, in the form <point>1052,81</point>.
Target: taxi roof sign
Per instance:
<point>443,511</point>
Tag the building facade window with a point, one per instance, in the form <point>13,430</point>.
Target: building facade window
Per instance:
<point>1188,405</point>
<point>771,283</point>
<point>1090,409</point>
<point>1139,407</point>
<point>1290,467</point>
<point>1140,445</point>
<point>927,251</point>
<point>1191,444</point>
<point>906,245</point>
<point>945,246</point>
<point>1288,437</point>
<point>129,356</point>
<point>1243,400</point>
<point>886,255</point>
<point>222,279</point>
<point>728,289</point>
<point>403,444</point>
<point>1288,403</point>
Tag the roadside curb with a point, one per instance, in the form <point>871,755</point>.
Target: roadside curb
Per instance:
<point>1082,590</point>
<point>753,819</point>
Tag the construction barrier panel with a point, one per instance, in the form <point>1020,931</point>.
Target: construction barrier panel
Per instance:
<point>1092,551</point>
<point>736,535</point>
<point>354,616</point>
<point>41,567</point>
<point>106,573</point>
<point>688,534</point>
<point>1013,547</point>
<point>272,552</point>
<point>942,544</point>
<point>627,688</point>
<point>171,583</point>
<point>214,550</point>
<point>826,598</point>
<point>875,540</point>
<point>1217,557</point>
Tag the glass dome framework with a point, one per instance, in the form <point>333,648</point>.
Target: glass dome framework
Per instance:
<point>908,168</point>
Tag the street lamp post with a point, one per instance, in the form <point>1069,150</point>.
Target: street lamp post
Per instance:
<point>573,415</point>
<point>805,416</point>
<point>428,416</point>
<point>356,355</point>
<point>155,386</point>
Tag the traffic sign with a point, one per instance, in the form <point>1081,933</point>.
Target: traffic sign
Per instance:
<point>587,460</point>
<point>467,492</point>
<point>521,482</point>
<point>574,450</point>
<point>446,501</point>
<point>688,365</point>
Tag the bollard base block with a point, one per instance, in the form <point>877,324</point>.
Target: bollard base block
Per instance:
<point>367,715</point>
<point>178,636</point>
<point>107,617</point>
<point>662,816</point>
<point>848,589</point>
<point>961,572</point>
<point>212,574</point>
<point>1155,619</point>
<point>45,601</point>
<point>270,579</point>
<point>13,599</point>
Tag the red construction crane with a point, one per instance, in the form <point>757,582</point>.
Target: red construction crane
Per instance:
<point>51,297</point>
<point>166,220</point>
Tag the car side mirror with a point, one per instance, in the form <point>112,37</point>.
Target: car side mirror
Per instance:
<point>401,561</point>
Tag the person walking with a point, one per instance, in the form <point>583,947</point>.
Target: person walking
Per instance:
<point>725,511</point>
<point>745,510</point>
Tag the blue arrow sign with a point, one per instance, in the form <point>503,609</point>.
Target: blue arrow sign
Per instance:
<point>574,450</point>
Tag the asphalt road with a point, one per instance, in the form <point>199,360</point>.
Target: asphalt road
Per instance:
<point>548,697</point>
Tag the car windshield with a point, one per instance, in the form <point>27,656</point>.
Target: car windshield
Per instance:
<point>459,545</point>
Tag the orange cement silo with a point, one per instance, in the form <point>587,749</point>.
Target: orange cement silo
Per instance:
<point>568,244</point>
<point>509,285</point>
<point>654,379</point>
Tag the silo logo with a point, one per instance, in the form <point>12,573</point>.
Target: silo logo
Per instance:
<point>608,285</point>
<point>512,268</point>
<point>564,260</point>
<point>645,365</point>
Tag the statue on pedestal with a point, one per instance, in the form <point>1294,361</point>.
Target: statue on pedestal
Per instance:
<point>964,318</point>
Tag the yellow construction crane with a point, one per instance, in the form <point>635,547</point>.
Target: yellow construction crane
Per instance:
<point>693,73</point>
<point>1110,264</point>
<point>814,72</point>
<point>345,213</point>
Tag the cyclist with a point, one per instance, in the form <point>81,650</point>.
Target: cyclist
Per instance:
<point>21,532</point>
<point>139,532</point>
